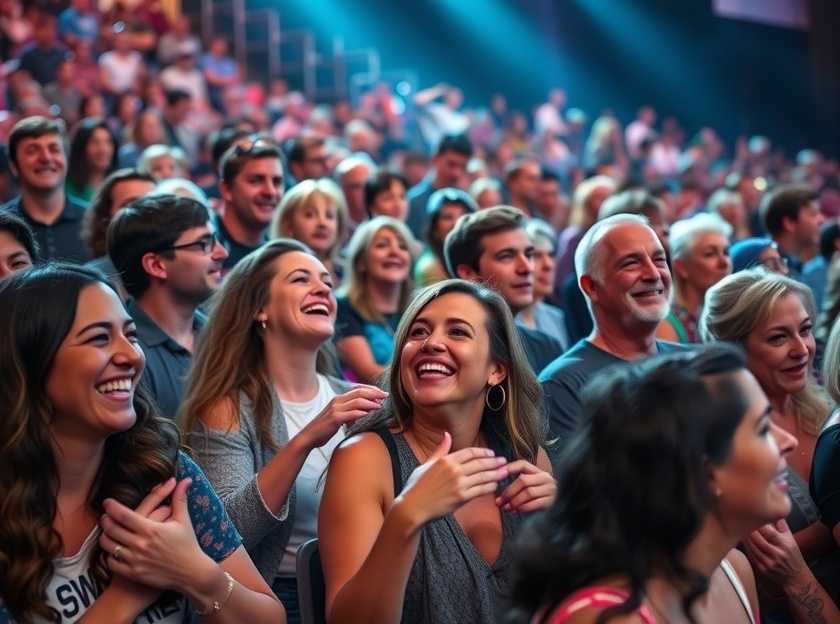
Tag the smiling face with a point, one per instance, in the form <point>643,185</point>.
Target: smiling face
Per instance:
<point>253,196</point>
<point>391,202</point>
<point>387,258</point>
<point>706,263</point>
<point>301,304</point>
<point>41,163</point>
<point>446,357</point>
<point>634,287</point>
<point>315,223</point>
<point>751,482</point>
<point>95,370</point>
<point>780,349</point>
<point>191,274</point>
<point>506,264</point>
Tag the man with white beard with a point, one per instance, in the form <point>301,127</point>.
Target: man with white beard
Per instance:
<point>623,273</point>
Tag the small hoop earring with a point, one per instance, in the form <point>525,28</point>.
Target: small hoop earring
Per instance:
<point>264,325</point>
<point>502,401</point>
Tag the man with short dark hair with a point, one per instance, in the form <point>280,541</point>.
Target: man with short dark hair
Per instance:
<point>521,179</point>
<point>166,250</point>
<point>37,159</point>
<point>308,158</point>
<point>551,204</point>
<point>623,272</point>
<point>493,246</point>
<point>792,217</point>
<point>251,187</point>
<point>385,195</point>
<point>449,167</point>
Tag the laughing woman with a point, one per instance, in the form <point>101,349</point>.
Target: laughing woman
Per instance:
<point>419,510</point>
<point>115,524</point>
<point>260,414</point>
<point>376,289</point>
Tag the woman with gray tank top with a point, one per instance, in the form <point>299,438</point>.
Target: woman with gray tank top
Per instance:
<point>420,508</point>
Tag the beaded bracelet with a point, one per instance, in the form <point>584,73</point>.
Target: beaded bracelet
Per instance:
<point>216,605</point>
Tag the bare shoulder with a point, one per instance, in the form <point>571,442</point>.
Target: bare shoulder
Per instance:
<point>743,569</point>
<point>360,467</point>
<point>361,451</point>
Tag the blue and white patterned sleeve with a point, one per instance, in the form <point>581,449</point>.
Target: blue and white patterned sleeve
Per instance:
<point>214,530</point>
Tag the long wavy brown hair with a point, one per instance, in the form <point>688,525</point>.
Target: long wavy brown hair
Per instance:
<point>37,310</point>
<point>230,360</point>
<point>519,420</point>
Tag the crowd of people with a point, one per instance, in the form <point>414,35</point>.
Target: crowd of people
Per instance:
<point>504,367</point>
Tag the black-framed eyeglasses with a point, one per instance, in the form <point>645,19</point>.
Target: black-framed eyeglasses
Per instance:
<point>205,245</point>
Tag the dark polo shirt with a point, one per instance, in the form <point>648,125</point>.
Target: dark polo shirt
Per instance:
<point>167,362</point>
<point>61,240</point>
<point>236,251</point>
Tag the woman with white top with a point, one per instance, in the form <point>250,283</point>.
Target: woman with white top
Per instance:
<point>260,415</point>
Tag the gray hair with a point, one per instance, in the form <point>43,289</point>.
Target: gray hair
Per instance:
<point>587,260</point>
<point>684,233</point>
<point>182,187</point>
<point>723,196</point>
<point>356,159</point>
<point>539,230</point>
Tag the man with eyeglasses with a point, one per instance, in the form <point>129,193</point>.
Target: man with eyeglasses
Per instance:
<point>166,250</point>
<point>251,187</point>
<point>308,158</point>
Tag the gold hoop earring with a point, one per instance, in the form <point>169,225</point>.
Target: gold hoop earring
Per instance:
<point>502,401</point>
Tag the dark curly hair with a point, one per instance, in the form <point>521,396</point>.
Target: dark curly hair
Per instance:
<point>633,485</point>
<point>37,310</point>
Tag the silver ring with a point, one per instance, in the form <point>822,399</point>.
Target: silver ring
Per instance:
<point>116,553</point>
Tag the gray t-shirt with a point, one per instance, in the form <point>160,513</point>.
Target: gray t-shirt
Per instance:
<point>563,380</point>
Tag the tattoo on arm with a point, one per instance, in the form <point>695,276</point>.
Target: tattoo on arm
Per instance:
<point>812,604</point>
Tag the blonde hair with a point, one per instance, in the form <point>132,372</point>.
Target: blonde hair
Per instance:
<point>579,214</point>
<point>738,304</point>
<point>229,362</point>
<point>521,413</point>
<point>831,364</point>
<point>299,196</point>
<point>355,286</point>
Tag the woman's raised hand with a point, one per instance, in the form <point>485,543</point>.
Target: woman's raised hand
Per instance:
<point>148,548</point>
<point>448,480</point>
<point>533,489</point>
<point>343,409</point>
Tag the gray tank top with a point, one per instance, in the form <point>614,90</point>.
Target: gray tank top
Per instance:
<point>450,582</point>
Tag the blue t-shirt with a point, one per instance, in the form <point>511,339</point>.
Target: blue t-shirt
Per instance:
<point>73,588</point>
<point>379,336</point>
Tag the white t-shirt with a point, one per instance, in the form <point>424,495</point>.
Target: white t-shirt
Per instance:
<point>72,589</point>
<point>122,71</point>
<point>308,485</point>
